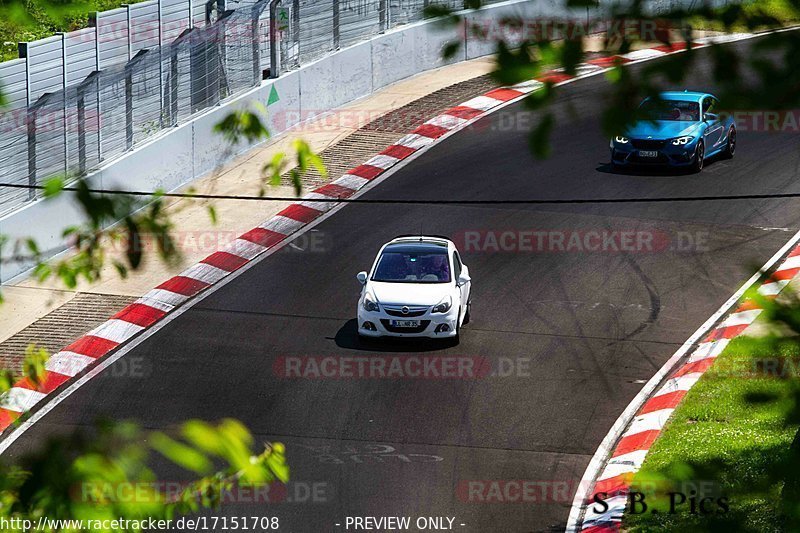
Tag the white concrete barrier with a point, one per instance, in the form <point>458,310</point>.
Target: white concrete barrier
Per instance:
<point>191,150</point>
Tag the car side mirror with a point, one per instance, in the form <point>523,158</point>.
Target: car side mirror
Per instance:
<point>362,277</point>
<point>463,278</point>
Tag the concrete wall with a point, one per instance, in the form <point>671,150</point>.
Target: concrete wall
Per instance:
<point>191,150</point>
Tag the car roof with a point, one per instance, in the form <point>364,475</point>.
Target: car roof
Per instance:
<point>688,96</point>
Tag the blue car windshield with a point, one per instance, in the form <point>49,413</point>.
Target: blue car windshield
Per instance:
<point>413,267</point>
<point>677,110</point>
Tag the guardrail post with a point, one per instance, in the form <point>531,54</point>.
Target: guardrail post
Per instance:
<point>336,26</point>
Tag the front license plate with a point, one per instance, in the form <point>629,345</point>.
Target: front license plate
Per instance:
<point>405,323</point>
<point>648,153</point>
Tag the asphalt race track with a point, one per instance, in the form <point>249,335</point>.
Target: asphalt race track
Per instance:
<point>585,328</point>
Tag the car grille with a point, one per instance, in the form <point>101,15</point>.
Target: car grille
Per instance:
<point>419,329</point>
<point>648,144</point>
<point>411,312</point>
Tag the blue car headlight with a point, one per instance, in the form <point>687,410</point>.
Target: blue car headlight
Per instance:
<point>686,139</point>
<point>620,139</point>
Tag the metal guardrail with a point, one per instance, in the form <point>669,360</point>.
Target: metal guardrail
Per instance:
<point>79,100</point>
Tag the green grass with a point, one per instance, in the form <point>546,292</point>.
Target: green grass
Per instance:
<point>30,20</point>
<point>782,11</point>
<point>733,431</point>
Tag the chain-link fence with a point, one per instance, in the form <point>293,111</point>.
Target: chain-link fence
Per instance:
<point>97,117</point>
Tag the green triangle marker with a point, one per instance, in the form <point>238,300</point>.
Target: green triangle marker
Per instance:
<point>273,96</point>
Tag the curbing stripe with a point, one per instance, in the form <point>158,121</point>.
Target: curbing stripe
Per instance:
<point>333,190</point>
<point>263,237</point>
<point>663,401</point>
<point>116,330</point>
<point>92,346</point>
<point>431,130</point>
<point>447,122</point>
<point>68,363</point>
<point>654,414</point>
<point>140,314</point>
<point>225,261</point>
<point>414,141</point>
<point>398,151</point>
<point>19,399</point>
<point>183,286</point>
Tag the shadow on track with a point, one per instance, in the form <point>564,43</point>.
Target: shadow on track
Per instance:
<point>347,337</point>
<point>655,170</point>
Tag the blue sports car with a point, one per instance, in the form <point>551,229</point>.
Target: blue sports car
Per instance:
<point>684,128</point>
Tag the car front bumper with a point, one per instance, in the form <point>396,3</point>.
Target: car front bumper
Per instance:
<point>431,325</point>
<point>667,155</point>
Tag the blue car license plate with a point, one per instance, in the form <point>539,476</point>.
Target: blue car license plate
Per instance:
<point>405,323</point>
<point>648,153</point>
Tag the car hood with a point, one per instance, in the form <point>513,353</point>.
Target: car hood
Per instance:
<point>662,129</point>
<point>409,293</point>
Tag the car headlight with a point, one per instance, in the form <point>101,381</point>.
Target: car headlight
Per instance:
<point>370,303</point>
<point>443,306</point>
<point>686,139</point>
<point>620,139</point>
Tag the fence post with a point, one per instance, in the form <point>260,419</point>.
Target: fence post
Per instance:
<point>383,15</point>
<point>296,26</point>
<point>161,88</point>
<point>173,86</point>
<point>273,39</point>
<point>336,25</point>
<point>130,32</point>
<point>64,97</point>
<point>93,22</point>
<point>31,124</point>
<point>82,91</point>
<point>255,13</point>
<point>128,108</point>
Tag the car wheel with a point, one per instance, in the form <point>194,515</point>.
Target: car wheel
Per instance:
<point>457,337</point>
<point>466,315</point>
<point>699,157</point>
<point>730,148</point>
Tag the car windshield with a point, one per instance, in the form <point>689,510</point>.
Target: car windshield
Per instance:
<point>413,267</point>
<point>678,110</point>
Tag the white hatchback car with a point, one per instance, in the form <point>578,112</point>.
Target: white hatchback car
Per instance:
<point>417,287</point>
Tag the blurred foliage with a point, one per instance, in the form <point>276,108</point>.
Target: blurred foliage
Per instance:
<point>743,81</point>
<point>106,474</point>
